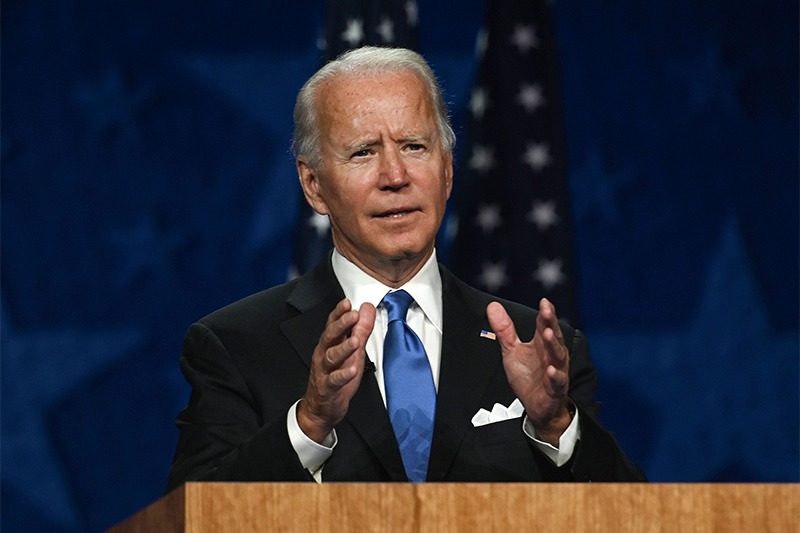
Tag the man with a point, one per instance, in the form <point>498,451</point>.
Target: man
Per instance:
<point>313,379</point>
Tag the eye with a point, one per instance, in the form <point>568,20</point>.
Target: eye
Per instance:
<point>415,147</point>
<point>360,153</point>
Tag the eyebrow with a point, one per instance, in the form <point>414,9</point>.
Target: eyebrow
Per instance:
<point>369,143</point>
<point>416,137</point>
<point>357,146</point>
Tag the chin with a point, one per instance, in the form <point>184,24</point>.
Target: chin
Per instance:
<point>407,253</point>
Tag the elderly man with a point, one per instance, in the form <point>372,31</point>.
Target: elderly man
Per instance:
<point>380,365</point>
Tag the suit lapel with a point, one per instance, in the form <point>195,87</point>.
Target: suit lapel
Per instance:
<point>314,297</point>
<point>469,361</point>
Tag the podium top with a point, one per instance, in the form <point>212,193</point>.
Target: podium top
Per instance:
<point>501,507</point>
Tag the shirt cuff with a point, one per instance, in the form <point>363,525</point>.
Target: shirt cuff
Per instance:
<point>312,455</point>
<point>566,444</point>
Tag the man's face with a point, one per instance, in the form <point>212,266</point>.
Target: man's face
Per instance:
<point>384,179</point>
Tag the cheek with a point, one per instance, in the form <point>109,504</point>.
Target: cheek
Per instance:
<point>346,206</point>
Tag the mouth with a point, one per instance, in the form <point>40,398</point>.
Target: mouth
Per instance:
<point>396,213</point>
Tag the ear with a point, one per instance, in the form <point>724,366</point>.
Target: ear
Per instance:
<point>309,181</point>
<point>448,172</point>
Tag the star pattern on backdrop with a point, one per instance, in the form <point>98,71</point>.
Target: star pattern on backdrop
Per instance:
<point>320,223</point>
<point>489,218</point>
<point>386,30</point>
<point>144,249</point>
<point>514,236</point>
<point>596,187</point>
<point>524,37</point>
<point>549,273</point>
<point>543,214</point>
<point>530,96</point>
<point>478,102</point>
<point>646,359</point>
<point>47,365</point>
<point>711,83</point>
<point>353,35</point>
<point>481,159</point>
<point>241,79</point>
<point>536,156</point>
<point>494,276</point>
<point>109,103</point>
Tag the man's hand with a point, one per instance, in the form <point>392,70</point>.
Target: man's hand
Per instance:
<point>336,369</point>
<point>538,370</point>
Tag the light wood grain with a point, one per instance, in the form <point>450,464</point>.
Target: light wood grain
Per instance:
<point>460,507</point>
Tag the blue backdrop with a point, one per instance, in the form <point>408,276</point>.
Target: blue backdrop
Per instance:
<point>146,181</point>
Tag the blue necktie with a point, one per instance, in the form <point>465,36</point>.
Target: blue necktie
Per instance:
<point>410,393</point>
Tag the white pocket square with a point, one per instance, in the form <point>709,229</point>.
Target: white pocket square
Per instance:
<point>498,413</point>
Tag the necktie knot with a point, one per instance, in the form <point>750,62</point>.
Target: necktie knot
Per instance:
<point>397,304</point>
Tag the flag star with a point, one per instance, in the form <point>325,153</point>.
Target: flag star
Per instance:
<point>319,223</point>
<point>354,33</point>
<point>543,214</point>
<point>386,30</point>
<point>524,38</point>
<point>478,102</point>
<point>411,12</point>
<point>482,159</point>
<point>481,42</point>
<point>530,97</point>
<point>537,155</point>
<point>549,273</point>
<point>493,276</point>
<point>488,217</point>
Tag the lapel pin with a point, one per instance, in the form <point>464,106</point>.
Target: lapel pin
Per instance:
<point>488,334</point>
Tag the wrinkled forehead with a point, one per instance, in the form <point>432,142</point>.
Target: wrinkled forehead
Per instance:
<point>347,92</point>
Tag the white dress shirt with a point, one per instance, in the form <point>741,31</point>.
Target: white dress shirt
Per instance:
<point>425,318</point>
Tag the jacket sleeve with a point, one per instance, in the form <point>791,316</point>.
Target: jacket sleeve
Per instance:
<point>597,457</point>
<point>223,434</point>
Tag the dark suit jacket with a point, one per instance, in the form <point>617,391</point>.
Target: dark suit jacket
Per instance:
<point>249,362</point>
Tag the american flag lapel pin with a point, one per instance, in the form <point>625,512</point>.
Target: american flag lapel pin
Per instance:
<point>488,334</point>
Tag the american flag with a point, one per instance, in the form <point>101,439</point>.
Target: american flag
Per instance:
<point>351,24</point>
<point>513,216</point>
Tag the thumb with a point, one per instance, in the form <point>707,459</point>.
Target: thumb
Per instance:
<point>502,325</point>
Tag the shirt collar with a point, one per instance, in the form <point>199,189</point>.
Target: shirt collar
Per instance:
<point>359,287</point>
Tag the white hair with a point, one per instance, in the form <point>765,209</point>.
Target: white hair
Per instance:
<point>306,141</point>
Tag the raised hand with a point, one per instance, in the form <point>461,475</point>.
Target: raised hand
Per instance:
<point>537,370</point>
<point>336,369</point>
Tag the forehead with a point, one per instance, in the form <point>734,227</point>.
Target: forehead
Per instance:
<point>357,100</point>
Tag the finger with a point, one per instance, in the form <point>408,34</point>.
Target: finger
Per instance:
<point>550,335</point>
<point>359,334</point>
<point>341,308</point>
<point>502,325</point>
<point>337,356</point>
<point>366,321</point>
<point>557,382</point>
<point>340,321</point>
<point>548,318</point>
<point>341,377</point>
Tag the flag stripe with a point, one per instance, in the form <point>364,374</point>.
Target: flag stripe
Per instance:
<point>514,232</point>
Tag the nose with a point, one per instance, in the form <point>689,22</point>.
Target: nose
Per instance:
<point>392,171</point>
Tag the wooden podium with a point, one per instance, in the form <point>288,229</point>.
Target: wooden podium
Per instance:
<point>468,507</point>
